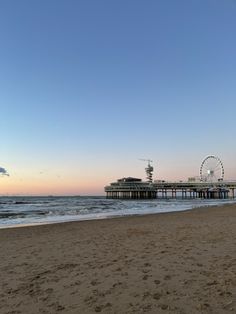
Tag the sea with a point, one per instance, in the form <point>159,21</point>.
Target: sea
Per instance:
<point>31,210</point>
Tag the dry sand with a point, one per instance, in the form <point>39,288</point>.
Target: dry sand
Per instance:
<point>165,263</point>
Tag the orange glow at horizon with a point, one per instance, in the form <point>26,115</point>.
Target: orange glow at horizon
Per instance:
<point>9,186</point>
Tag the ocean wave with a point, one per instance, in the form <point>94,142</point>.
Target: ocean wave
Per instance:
<point>27,210</point>
<point>21,214</point>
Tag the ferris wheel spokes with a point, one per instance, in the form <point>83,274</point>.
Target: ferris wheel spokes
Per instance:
<point>211,169</point>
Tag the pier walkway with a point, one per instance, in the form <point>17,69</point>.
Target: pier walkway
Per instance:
<point>221,189</point>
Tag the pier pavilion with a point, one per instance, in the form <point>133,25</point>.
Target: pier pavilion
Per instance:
<point>131,188</point>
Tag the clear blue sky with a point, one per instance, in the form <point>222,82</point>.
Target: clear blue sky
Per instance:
<point>88,87</point>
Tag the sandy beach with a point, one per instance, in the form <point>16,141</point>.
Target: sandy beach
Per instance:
<point>181,262</point>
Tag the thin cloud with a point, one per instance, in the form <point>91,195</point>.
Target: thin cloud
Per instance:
<point>3,172</point>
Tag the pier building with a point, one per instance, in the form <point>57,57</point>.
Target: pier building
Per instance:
<point>131,188</point>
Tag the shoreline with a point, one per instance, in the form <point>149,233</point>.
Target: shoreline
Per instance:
<point>176,262</point>
<point>24,225</point>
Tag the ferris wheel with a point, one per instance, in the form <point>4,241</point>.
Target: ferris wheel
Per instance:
<point>211,169</point>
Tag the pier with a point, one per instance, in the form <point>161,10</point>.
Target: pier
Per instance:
<point>126,188</point>
<point>209,185</point>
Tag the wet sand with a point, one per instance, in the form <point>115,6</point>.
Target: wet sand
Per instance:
<point>181,262</point>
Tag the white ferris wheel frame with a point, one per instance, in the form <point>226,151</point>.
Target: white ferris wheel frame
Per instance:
<point>219,167</point>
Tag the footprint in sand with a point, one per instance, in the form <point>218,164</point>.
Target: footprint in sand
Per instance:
<point>94,282</point>
<point>157,296</point>
<point>99,308</point>
<point>167,277</point>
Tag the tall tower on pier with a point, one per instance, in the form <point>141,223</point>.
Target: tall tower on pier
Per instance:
<point>149,170</point>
